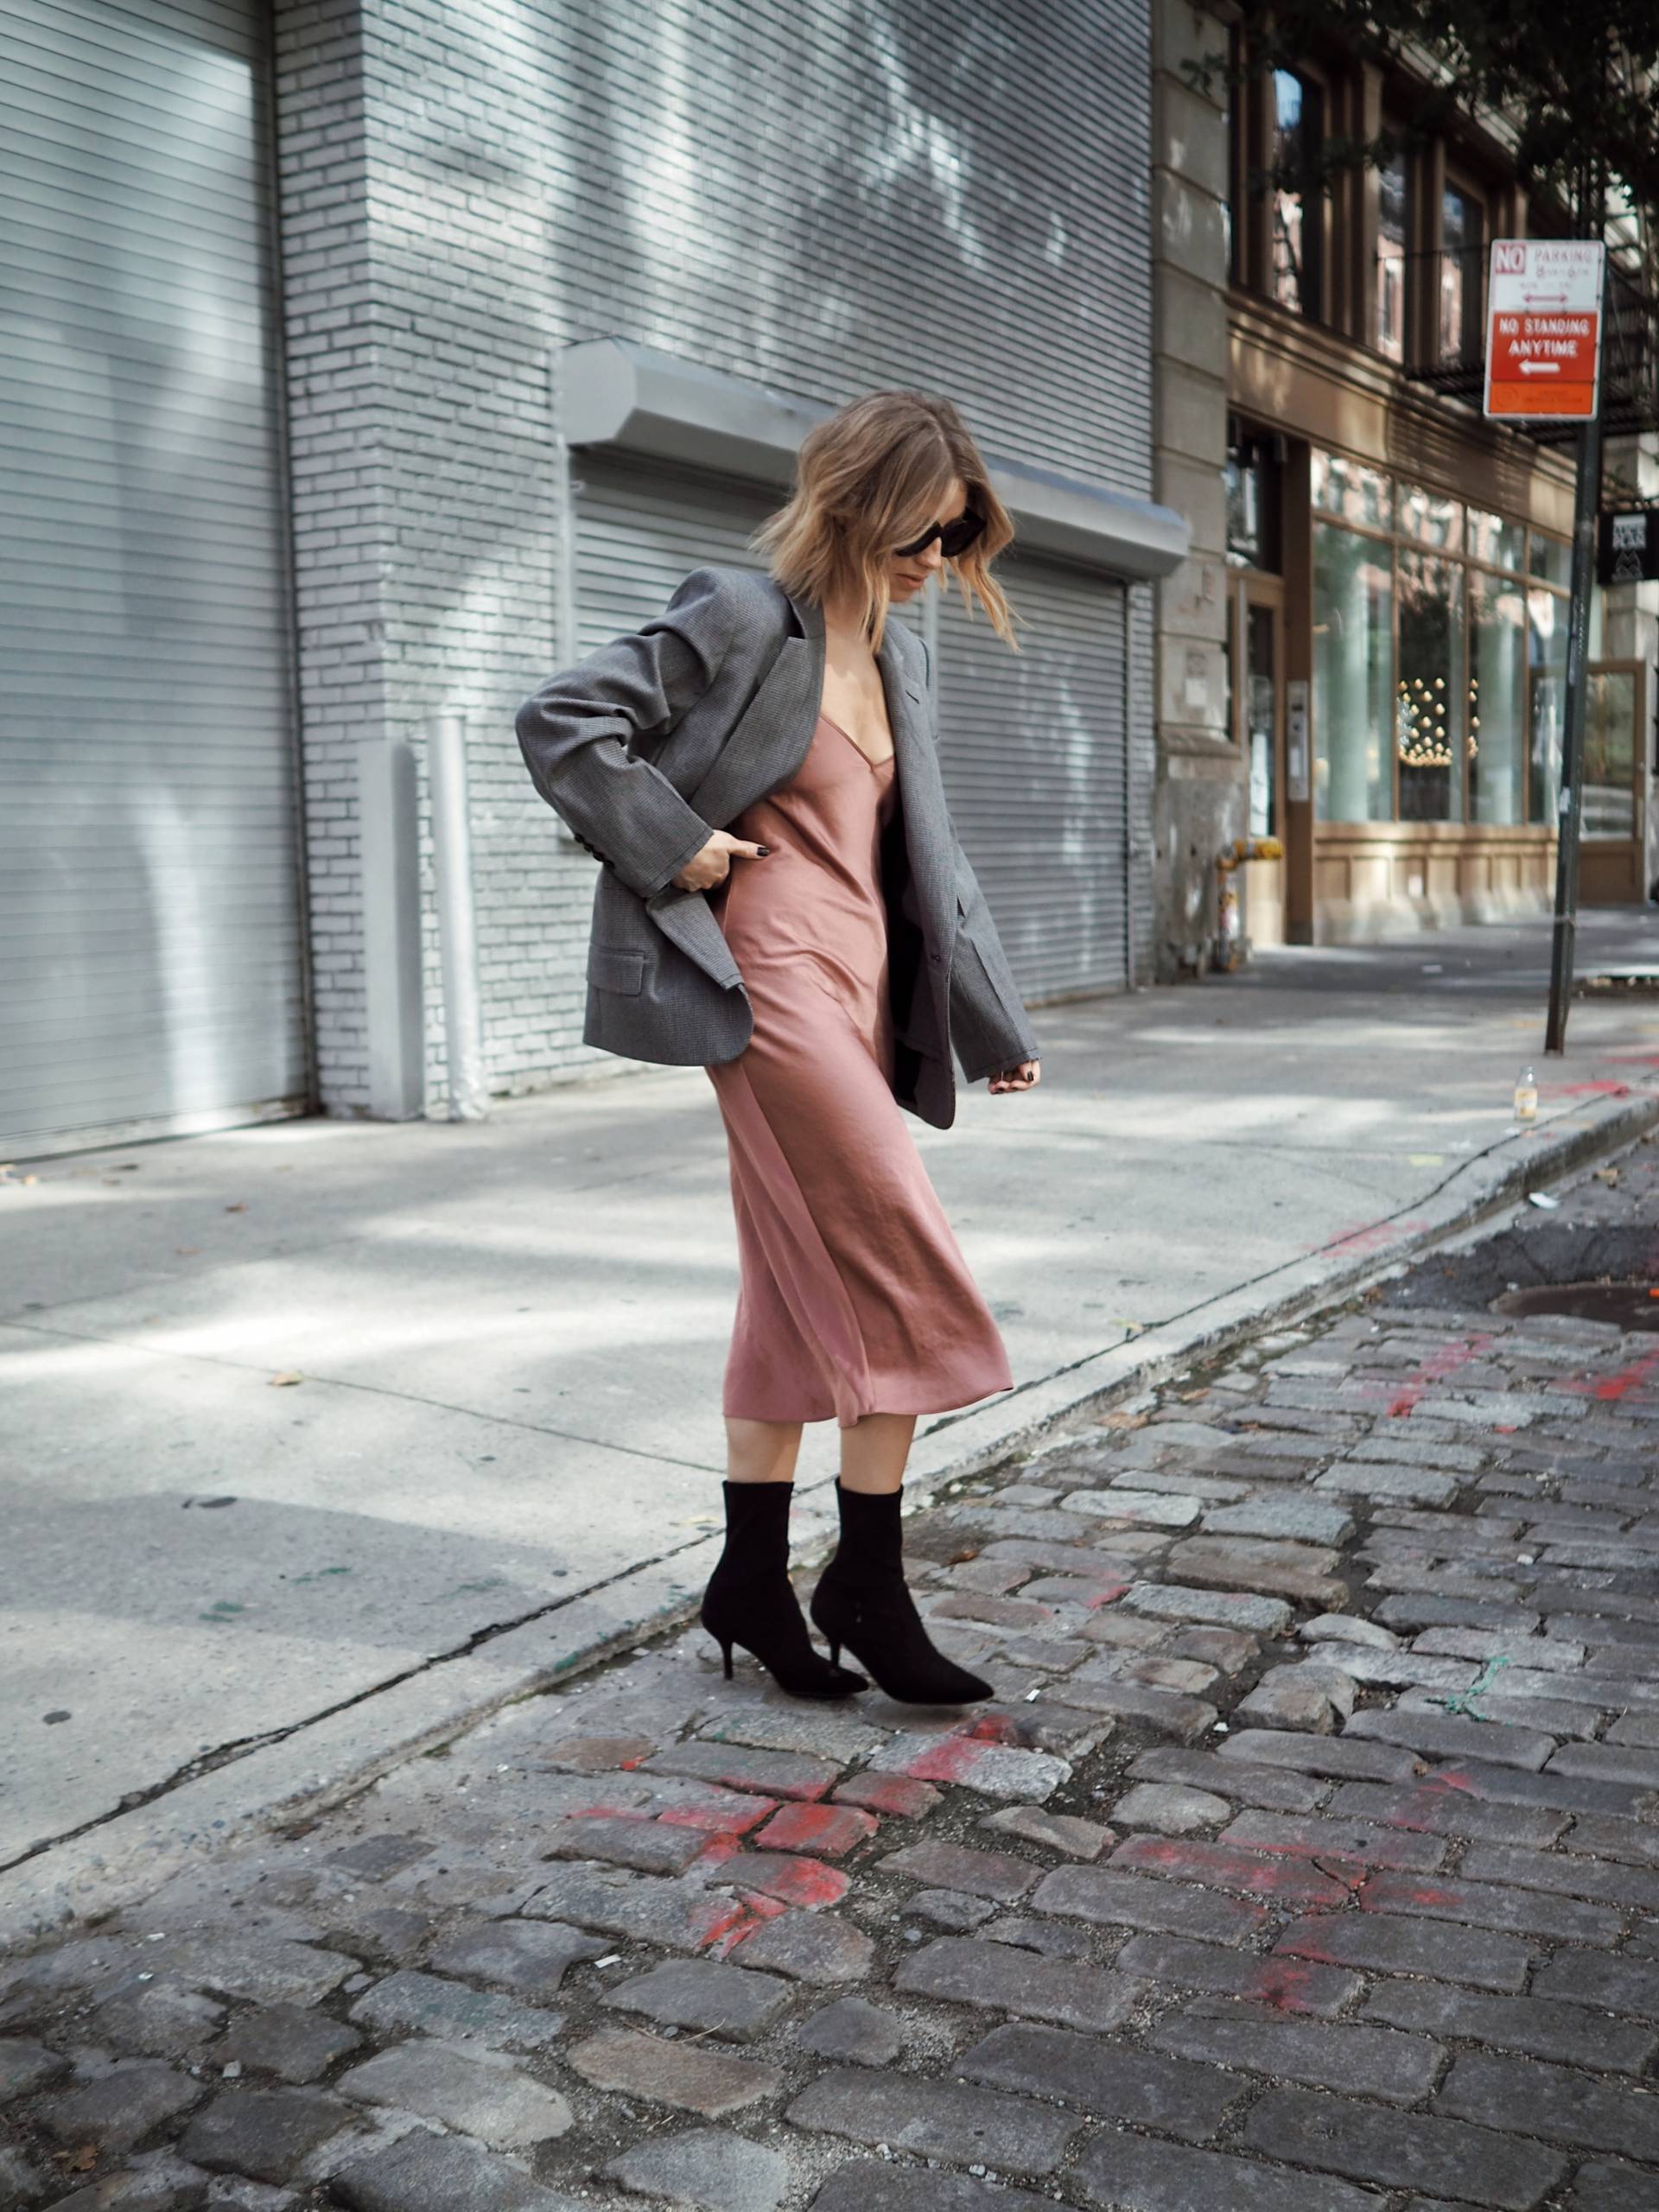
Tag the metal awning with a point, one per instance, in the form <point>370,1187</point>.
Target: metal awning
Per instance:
<point>631,397</point>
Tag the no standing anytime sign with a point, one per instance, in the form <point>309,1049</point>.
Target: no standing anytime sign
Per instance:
<point>1543,327</point>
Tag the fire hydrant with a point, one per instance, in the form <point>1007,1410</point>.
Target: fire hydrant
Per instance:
<point>1230,941</point>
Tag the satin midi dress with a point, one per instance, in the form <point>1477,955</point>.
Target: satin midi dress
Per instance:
<point>854,1296</point>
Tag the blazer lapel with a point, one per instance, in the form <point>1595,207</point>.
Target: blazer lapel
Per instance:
<point>771,738</point>
<point>929,842</point>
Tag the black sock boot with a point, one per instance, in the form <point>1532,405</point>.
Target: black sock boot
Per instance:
<point>862,1601</point>
<point>750,1601</point>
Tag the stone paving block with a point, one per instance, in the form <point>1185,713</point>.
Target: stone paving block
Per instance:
<point>1151,1670</point>
<point>1129,2173</point>
<point>267,2133</point>
<point>1171,2094</point>
<point>784,1875</point>
<point>641,1906</point>
<point>1439,1808</point>
<point>1307,1698</point>
<point>26,2067</point>
<point>1490,1905</point>
<point>260,1970</point>
<point>1171,1601</point>
<point>894,1794</point>
<point>996,1978</point>
<point>1624,1840</point>
<point>873,2188</point>
<point>1381,1943</point>
<point>1620,1886</point>
<point>1348,1628</point>
<point>424,2172</point>
<point>1244,1782</point>
<point>156,2181</point>
<point>1053,1939</point>
<point>754,1772</point>
<point>1185,1719</point>
<point>992,1874</point>
<point>528,1957</point>
<point>597,1754</point>
<point>853,2029</point>
<point>294,2045</point>
<point>1150,1508</point>
<point>1285,1882</point>
<point>938,2120</point>
<point>1550,1654</point>
<point>1561,1792</point>
<point>22,2182</point>
<point>1226,1649</point>
<point>1392,2150</point>
<point>1608,1763</point>
<point>118,2109</point>
<point>1321,2055</point>
<point>686,2075</point>
<point>373,1857</point>
<point>649,1847</point>
<point>1288,1985</point>
<point>156,2018</point>
<point>1600,2187</point>
<point>472,2093</point>
<point>1540,2027</point>
<point>1622,1984</point>
<point>821,1732</point>
<point>990,1770</point>
<point>828,1831</point>
<point>1298,1571</point>
<point>706,2169</point>
<point>424,2004</point>
<point>950,1908</point>
<point>809,1947</point>
<point>1061,1832</point>
<point>1113,1899</point>
<point>721,2000</point>
<point>1556,2102</point>
<point>1451,1737</point>
<point>1170,1809</point>
<point>1299,1520</point>
<point>1379,1480</point>
<point>1310,1836</point>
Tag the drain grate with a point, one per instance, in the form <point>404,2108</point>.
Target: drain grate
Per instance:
<point>1628,1305</point>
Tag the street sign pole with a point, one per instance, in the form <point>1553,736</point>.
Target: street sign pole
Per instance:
<point>1563,944</point>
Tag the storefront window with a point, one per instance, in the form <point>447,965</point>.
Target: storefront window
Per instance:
<point>1499,543</point>
<point>1352,658</point>
<point>1610,754</point>
<point>1551,560</point>
<point>1428,690</point>
<point>1497,645</point>
<point>1431,519</point>
<point>1391,258</point>
<point>1349,491</point>
<point>1250,474</point>
<point>1547,684</point>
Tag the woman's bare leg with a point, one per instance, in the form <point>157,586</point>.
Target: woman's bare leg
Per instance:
<point>873,1453</point>
<point>761,1450</point>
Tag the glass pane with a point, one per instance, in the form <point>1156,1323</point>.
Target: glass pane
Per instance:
<point>1551,559</point>
<point>1610,754</point>
<point>1497,645</point>
<point>1295,128</point>
<point>1491,540</point>
<point>1349,491</point>
<point>1391,258</point>
<point>1428,702</point>
<point>1462,227</point>
<point>1426,516</point>
<point>1547,689</point>
<point>1353,676</point>
<point>1261,700</point>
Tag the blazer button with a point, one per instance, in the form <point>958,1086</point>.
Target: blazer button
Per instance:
<point>938,958</point>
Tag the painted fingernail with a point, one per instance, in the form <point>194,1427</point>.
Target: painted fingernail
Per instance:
<point>763,850</point>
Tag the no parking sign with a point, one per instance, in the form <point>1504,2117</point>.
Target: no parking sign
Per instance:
<point>1543,327</point>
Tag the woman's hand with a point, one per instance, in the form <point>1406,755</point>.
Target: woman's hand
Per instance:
<point>713,864</point>
<point>1026,1077</point>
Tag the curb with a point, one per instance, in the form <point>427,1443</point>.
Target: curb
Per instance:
<point>320,1764</point>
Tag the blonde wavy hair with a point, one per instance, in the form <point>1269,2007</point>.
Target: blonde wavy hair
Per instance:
<point>870,479</point>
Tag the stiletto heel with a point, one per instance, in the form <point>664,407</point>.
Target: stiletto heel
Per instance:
<point>862,1603</point>
<point>750,1603</point>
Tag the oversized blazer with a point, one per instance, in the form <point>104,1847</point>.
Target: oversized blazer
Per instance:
<point>669,734</point>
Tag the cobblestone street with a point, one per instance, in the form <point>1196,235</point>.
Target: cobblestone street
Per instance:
<point>1307,1862</point>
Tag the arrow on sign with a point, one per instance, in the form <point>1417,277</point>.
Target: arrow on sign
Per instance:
<point>1539,368</point>
<point>1544,299</point>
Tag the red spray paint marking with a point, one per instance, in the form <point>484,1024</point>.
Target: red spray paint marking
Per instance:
<point>1282,1984</point>
<point>1367,1236</point>
<point>1602,1089</point>
<point>1107,1595</point>
<point>732,1816</point>
<point>889,1793</point>
<point>1613,1386</point>
<point>993,1728</point>
<point>720,1929</point>
<point>807,1882</point>
<point>828,1829</point>
<point>1403,1396</point>
<point>952,1758</point>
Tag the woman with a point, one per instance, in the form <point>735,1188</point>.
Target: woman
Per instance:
<point>783,900</point>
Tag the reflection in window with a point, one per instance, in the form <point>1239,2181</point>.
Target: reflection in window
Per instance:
<point>1436,521</point>
<point>1351,490</point>
<point>1391,259</point>
<point>1352,661</point>
<point>1610,754</point>
<point>1463,239</point>
<point>1551,559</point>
<point>1498,643</point>
<point>1546,681</point>
<point>1295,208</point>
<point>1499,543</point>
<point>1428,703</point>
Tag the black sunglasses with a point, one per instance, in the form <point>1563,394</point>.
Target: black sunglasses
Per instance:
<point>954,536</point>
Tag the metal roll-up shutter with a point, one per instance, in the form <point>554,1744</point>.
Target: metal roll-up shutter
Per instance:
<point>1034,758</point>
<point>149,893</point>
<point>643,526</point>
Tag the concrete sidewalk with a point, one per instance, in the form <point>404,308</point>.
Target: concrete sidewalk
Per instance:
<point>274,1518</point>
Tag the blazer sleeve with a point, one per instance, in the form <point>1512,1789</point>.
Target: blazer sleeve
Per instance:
<point>989,1029</point>
<point>578,732</point>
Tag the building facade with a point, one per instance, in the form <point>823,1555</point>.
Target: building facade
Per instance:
<point>1395,568</point>
<point>368,361</point>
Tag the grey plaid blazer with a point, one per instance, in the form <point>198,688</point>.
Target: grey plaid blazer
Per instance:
<point>662,736</point>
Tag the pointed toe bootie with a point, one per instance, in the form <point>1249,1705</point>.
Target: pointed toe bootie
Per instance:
<point>862,1603</point>
<point>751,1603</point>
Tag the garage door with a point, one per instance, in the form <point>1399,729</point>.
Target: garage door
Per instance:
<point>149,898</point>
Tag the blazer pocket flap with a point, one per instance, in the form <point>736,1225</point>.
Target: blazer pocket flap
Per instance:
<point>613,967</point>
